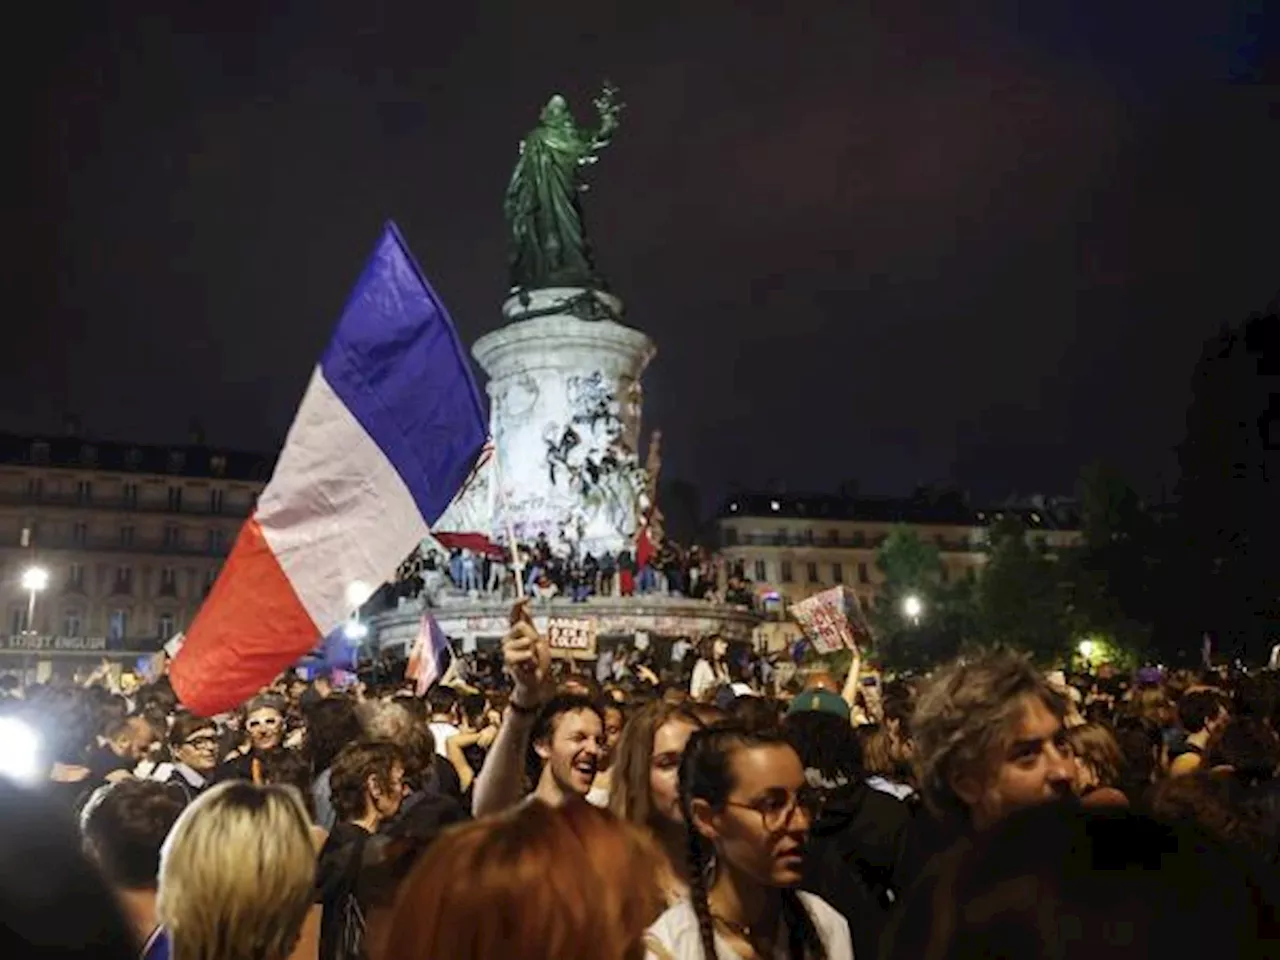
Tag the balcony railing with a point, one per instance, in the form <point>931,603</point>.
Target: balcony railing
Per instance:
<point>956,545</point>
<point>122,504</point>
<point>139,545</point>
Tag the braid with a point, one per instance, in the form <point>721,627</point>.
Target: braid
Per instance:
<point>803,942</point>
<point>698,895</point>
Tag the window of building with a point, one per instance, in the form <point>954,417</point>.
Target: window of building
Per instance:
<point>168,582</point>
<point>806,535</point>
<point>760,572</point>
<point>165,626</point>
<point>731,536</point>
<point>126,536</point>
<point>84,491</point>
<point>837,573</point>
<point>118,624</point>
<point>209,578</point>
<point>177,460</point>
<point>175,499</point>
<point>217,541</point>
<point>71,623</point>
<point>172,537</point>
<point>129,494</point>
<point>124,580</point>
<point>218,465</point>
<point>215,503</point>
<point>75,576</point>
<point>88,454</point>
<point>859,538</point>
<point>28,536</point>
<point>833,538</point>
<point>780,537</point>
<point>79,534</point>
<point>133,458</point>
<point>39,451</point>
<point>35,488</point>
<point>18,620</point>
<point>786,571</point>
<point>863,576</point>
<point>812,571</point>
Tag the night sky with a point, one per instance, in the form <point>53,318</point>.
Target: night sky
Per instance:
<point>905,247</point>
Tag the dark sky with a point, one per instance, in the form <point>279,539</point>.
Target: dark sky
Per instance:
<point>904,246</point>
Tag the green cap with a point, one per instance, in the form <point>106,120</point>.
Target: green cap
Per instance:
<point>821,700</point>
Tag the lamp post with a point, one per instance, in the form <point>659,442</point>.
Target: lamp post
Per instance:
<point>912,608</point>
<point>34,579</point>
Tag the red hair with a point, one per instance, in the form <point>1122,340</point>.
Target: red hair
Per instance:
<point>536,883</point>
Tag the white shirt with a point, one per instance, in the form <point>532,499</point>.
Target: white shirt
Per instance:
<point>442,732</point>
<point>677,931</point>
<point>705,676</point>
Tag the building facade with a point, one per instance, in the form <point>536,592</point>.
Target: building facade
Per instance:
<point>131,537</point>
<point>792,547</point>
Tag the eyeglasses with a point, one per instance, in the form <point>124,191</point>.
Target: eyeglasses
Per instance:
<point>776,810</point>
<point>200,741</point>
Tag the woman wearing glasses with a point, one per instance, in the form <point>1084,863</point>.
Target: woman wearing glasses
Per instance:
<point>747,812</point>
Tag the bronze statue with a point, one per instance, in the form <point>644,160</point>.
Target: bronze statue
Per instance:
<point>549,246</point>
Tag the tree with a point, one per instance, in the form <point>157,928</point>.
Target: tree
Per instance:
<point>1228,517</point>
<point>1021,596</point>
<point>1112,577</point>
<point>912,568</point>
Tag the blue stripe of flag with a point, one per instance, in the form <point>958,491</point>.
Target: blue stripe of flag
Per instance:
<point>396,363</point>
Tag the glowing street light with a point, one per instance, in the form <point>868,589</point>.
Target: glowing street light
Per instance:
<point>912,607</point>
<point>34,579</point>
<point>357,593</point>
<point>1086,649</point>
<point>355,630</point>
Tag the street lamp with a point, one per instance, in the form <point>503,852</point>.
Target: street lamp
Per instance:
<point>34,579</point>
<point>355,630</point>
<point>357,593</point>
<point>912,607</point>
<point>1086,649</point>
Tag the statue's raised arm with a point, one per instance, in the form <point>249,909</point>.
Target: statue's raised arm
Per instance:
<point>543,207</point>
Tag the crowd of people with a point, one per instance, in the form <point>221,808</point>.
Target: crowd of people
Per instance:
<point>987,809</point>
<point>670,570</point>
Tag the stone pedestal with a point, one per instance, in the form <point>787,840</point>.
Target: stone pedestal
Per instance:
<point>565,404</point>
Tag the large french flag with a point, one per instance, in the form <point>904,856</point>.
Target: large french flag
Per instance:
<point>389,429</point>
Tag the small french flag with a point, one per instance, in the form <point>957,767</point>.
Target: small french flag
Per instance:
<point>427,659</point>
<point>388,431</point>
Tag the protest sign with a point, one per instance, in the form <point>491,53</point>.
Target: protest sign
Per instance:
<point>572,637</point>
<point>833,620</point>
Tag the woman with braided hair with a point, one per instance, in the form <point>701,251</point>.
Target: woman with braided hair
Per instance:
<point>747,811</point>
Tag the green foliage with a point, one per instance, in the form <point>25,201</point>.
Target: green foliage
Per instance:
<point>1021,596</point>
<point>913,567</point>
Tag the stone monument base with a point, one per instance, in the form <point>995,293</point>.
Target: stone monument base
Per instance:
<point>481,622</point>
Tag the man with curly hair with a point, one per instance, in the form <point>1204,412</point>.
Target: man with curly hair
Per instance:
<point>990,739</point>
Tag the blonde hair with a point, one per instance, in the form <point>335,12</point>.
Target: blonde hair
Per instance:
<point>237,874</point>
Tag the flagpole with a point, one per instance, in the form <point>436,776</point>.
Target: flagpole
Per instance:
<point>516,564</point>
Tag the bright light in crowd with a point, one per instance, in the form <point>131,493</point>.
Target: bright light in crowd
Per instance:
<point>775,506</point>
<point>912,606</point>
<point>355,630</point>
<point>357,593</point>
<point>35,578</point>
<point>1086,649</point>
<point>19,751</point>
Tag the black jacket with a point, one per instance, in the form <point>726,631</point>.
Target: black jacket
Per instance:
<point>862,856</point>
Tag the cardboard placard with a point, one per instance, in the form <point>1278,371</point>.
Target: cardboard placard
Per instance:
<point>572,637</point>
<point>833,620</point>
